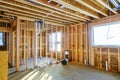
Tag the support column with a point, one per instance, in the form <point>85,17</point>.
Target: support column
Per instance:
<point>118,60</point>
<point>76,40</point>
<point>81,41</point>
<point>18,44</point>
<point>61,30</point>
<point>13,49</point>
<point>72,43</point>
<point>47,45</point>
<point>26,43</point>
<point>108,58</point>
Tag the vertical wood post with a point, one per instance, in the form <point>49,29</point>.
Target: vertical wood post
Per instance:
<point>18,44</point>
<point>13,49</point>
<point>47,45</point>
<point>118,60</point>
<point>81,39</point>
<point>76,44</point>
<point>72,44</point>
<point>61,30</point>
<point>108,58</point>
<point>27,45</point>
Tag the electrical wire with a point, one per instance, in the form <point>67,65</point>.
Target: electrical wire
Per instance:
<point>108,36</point>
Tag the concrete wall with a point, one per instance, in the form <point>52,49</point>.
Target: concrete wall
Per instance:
<point>3,65</point>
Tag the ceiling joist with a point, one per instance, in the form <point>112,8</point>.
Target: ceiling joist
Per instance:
<point>102,2</point>
<point>72,12</point>
<point>77,9</point>
<point>58,9</point>
<point>92,6</point>
<point>39,13</point>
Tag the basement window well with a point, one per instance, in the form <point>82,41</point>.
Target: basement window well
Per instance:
<point>1,39</point>
<point>106,34</point>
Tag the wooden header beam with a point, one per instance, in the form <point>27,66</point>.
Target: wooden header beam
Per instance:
<point>5,29</point>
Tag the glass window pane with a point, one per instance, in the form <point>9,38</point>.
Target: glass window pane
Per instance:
<point>58,36</point>
<point>108,34</point>
<point>1,42</point>
<point>53,37</point>
<point>55,41</point>
<point>0,35</point>
<point>58,47</point>
<point>53,47</point>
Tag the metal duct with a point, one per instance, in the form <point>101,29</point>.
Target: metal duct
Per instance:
<point>116,4</point>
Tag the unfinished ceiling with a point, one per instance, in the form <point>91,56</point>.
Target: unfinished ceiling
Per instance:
<point>59,11</point>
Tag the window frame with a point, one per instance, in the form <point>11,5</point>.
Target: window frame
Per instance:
<point>55,42</point>
<point>92,35</point>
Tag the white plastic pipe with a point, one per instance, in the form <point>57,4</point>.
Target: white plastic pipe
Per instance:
<point>85,61</point>
<point>106,65</point>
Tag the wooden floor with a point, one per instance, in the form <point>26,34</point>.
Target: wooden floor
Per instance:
<point>69,72</point>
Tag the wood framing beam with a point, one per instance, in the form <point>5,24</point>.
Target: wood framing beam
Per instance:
<point>92,57</point>
<point>81,43</point>
<point>119,59</point>
<point>102,2</point>
<point>79,17</point>
<point>76,41</point>
<point>35,15</point>
<point>24,52</point>
<point>47,43</point>
<point>3,20</point>
<point>57,9</point>
<point>27,45</point>
<point>118,1</point>
<point>32,18</point>
<point>13,49</point>
<point>92,6</point>
<point>17,44</point>
<point>75,8</point>
<point>100,58</point>
<point>108,58</point>
<point>61,30</point>
<point>5,29</point>
<point>41,13</point>
<point>33,43</point>
<point>53,23</point>
<point>86,31</point>
<point>72,43</point>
